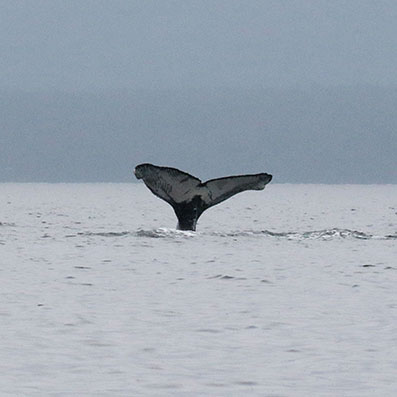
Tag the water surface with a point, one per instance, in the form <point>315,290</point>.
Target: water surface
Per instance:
<point>286,292</point>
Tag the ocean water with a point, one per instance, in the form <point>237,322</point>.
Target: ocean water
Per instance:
<point>291,291</point>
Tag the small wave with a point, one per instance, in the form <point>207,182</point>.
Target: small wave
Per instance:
<point>324,234</point>
<point>7,224</point>
<point>164,233</point>
<point>102,234</point>
<point>152,233</point>
<point>226,277</point>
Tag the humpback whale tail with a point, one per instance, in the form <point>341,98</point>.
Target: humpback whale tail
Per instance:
<point>188,196</point>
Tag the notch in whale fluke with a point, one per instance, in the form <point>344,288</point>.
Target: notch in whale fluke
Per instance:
<point>189,196</point>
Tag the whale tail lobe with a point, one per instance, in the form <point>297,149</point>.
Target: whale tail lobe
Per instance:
<point>189,196</point>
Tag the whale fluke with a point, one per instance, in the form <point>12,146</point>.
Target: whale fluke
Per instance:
<point>188,196</point>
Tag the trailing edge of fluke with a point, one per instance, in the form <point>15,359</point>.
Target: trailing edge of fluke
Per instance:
<point>188,196</point>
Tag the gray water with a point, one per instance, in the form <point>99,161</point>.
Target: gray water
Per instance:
<point>286,292</point>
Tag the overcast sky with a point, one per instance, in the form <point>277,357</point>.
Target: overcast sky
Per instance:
<point>143,56</point>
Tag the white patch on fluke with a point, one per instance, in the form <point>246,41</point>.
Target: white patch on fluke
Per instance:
<point>189,196</point>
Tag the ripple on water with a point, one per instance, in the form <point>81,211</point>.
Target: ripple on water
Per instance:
<point>324,234</point>
<point>164,232</point>
<point>7,224</point>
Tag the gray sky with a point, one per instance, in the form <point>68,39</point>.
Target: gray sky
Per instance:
<point>87,44</point>
<point>90,88</point>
